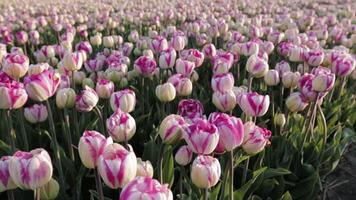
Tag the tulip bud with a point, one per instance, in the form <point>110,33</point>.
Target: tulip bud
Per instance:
<point>282,67</point>
<point>201,136</point>
<point>255,138</point>
<point>205,172</point>
<point>38,168</point>
<point>145,66</point>
<point>314,57</point>
<point>343,66</point>
<point>65,98</point>
<point>15,65</point>
<point>117,166</point>
<point>38,68</point>
<point>256,66</point>
<point>272,78</point>
<point>182,84</point>
<point>88,82</point>
<point>42,86</point>
<point>91,145</point>
<point>184,155</point>
<point>323,82</point>
<point>296,54</point>
<point>166,92</point>
<point>230,128</point>
<point>50,190</point>
<point>6,182</point>
<point>86,100</point>
<point>121,126</point>
<point>12,94</point>
<point>295,102</point>
<point>224,101</point>
<point>36,113</point>
<point>144,168</point>
<point>280,119</point>
<point>254,104</point>
<point>124,100</point>
<point>146,187</point>
<point>78,77</point>
<point>184,67</point>
<point>290,79</point>
<point>167,58</point>
<point>73,61</point>
<point>190,109</point>
<point>108,41</point>
<point>96,40</point>
<point>104,88</point>
<point>171,128</point>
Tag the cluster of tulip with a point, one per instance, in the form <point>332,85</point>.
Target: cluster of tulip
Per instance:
<point>138,92</point>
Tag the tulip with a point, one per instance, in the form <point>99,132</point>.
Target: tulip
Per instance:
<point>280,119</point>
<point>159,44</point>
<point>167,58</point>
<point>104,88</point>
<point>323,82</point>
<point>272,78</point>
<point>209,51</point>
<point>222,82</point>
<point>178,42</point>
<point>184,155</point>
<point>193,55</point>
<point>12,93</point>
<point>65,98</point>
<point>42,86</point>
<point>184,67</point>
<point>205,172</point>
<point>121,126</point>
<point>31,170</point>
<point>124,100</point>
<point>190,109</point>
<point>117,166</point>
<point>256,66</point>
<point>108,41</point>
<point>314,57</point>
<point>290,79</point>
<point>6,182</point>
<point>230,128</point>
<point>21,37</point>
<point>15,65</point>
<point>145,66</point>
<point>295,102</point>
<point>38,68</point>
<point>73,61</point>
<point>343,66</point>
<point>94,65</point>
<point>182,84</point>
<point>96,40</point>
<point>78,77</point>
<point>254,104</point>
<point>305,86</point>
<point>84,46</point>
<point>282,67</point>
<point>86,100</point>
<point>171,128</point>
<point>144,168</point>
<point>201,136</point>
<point>296,54</point>
<point>224,101</point>
<point>146,187</point>
<point>222,62</point>
<point>91,145</point>
<point>50,190</point>
<point>166,92</point>
<point>255,138</point>
<point>36,113</point>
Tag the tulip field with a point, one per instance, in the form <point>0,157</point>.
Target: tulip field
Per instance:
<point>176,100</point>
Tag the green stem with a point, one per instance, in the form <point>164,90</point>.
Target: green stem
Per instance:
<point>325,128</point>
<point>101,119</point>
<point>68,134</point>
<point>55,146</point>
<point>11,131</point>
<point>244,173</point>
<point>226,176</point>
<point>160,164</point>
<point>232,175</point>
<point>99,186</point>
<point>23,130</point>
<point>10,195</point>
<point>205,194</point>
<point>181,182</point>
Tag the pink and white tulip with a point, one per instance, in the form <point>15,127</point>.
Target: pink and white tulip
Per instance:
<point>36,113</point>
<point>86,100</point>
<point>255,138</point>
<point>171,128</point>
<point>121,126</point>
<point>184,155</point>
<point>15,65</point>
<point>254,104</point>
<point>104,88</point>
<point>124,100</point>
<point>205,172</point>
<point>6,182</point>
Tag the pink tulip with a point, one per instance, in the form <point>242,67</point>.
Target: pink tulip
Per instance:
<point>31,170</point>
<point>6,182</point>
<point>256,66</point>
<point>84,46</point>
<point>159,44</point>
<point>171,128</point>
<point>36,113</point>
<point>121,126</point>
<point>343,65</point>
<point>15,65</point>
<point>182,84</point>
<point>91,145</point>
<point>282,67</point>
<point>255,138</point>
<point>21,37</point>
<point>314,57</point>
<point>145,66</point>
<point>205,172</point>
<point>230,129</point>
<point>73,61</point>
<point>184,67</point>
<point>167,58</point>
<point>117,166</point>
<point>124,100</point>
<point>222,82</point>
<point>94,65</point>
<point>178,42</point>
<point>86,100</point>
<point>296,102</point>
<point>306,88</point>
<point>38,68</point>
<point>104,88</point>
<point>146,187</point>
<point>224,101</point>
<point>190,109</point>
<point>254,104</point>
<point>193,55</point>
<point>209,51</point>
<point>184,155</point>
<point>12,93</point>
<point>272,78</point>
<point>201,136</point>
<point>144,168</point>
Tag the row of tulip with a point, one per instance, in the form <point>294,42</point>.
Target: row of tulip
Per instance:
<point>243,101</point>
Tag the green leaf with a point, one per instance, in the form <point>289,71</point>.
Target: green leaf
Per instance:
<point>151,150</point>
<point>215,192</point>
<point>270,172</point>
<point>240,193</point>
<point>168,166</point>
<point>286,196</point>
